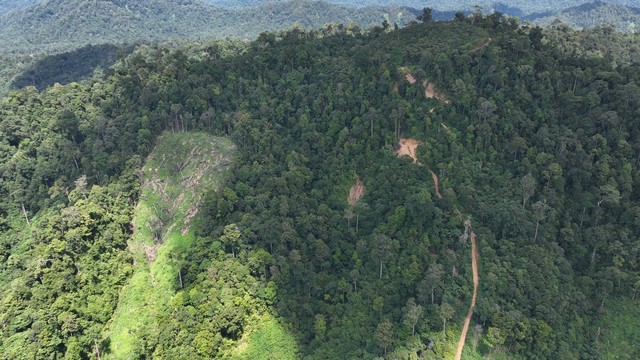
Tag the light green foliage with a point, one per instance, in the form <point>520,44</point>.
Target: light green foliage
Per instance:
<point>64,295</point>
<point>320,327</point>
<point>266,339</point>
<point>619,333</point>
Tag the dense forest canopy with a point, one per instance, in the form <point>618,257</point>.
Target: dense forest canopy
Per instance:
<point>530,136</point>
<point>58,42</point>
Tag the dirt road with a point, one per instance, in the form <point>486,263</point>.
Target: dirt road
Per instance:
<point>437,184</point>
<point>476,280</point>
<point>408,147</point>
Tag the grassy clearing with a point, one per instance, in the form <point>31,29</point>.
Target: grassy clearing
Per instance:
<point>620,330</point>
<point>175,176</point>
<point>266,339</point>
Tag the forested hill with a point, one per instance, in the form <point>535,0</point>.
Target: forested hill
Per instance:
<point>55,25</point>
<point>58,25</point>
<point>325,241</point>
<point>624,18</point>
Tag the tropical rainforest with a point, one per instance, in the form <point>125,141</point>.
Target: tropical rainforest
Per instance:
<point>252,199</point>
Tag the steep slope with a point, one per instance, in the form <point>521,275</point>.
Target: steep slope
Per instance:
<point>175,177</point>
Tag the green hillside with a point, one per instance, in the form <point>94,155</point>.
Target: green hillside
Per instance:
<point>177,173</point>
<point>368,167</point>
<point>618,330</point>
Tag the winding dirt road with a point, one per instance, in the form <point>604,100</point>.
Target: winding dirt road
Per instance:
<point>408,147</point>
<point>437,184</point>
<point>476,280</point>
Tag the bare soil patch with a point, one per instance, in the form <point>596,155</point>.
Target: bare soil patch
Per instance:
<point>411,79</point>
<point>191,213</point>
<point>150,252</point>
<point>408,147</point>
<point>409,76</point>
<point>431,93</point>
<point>476,281</point>
<point>356,192</point>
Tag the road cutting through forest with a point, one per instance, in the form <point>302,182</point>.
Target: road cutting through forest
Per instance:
<point>476,280</point>
<point>408,147</point>
<point>474,269</point>
<point>436,184</point>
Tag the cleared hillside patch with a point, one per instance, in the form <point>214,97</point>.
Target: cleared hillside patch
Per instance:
<point>408,147</point>
<point>431,93</point>
<point>175,176</point>
<point>356,192</point>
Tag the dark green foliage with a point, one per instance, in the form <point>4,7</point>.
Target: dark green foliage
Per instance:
<point>10,67</point>
<point>601,43</point>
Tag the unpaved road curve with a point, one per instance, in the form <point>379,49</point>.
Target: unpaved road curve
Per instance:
<point>436,183</point>
<point>476,280</point>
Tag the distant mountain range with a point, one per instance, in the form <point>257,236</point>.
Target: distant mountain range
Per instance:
<point>515,7</point>
<point>53,26</point>
<point>60,25</point>
<point>624,18</point>
<point>524,7</point>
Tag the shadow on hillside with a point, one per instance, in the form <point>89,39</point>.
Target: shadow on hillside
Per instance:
<point>71,66</point>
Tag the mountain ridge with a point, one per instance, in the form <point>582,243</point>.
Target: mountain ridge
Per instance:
<point>60,25</point>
